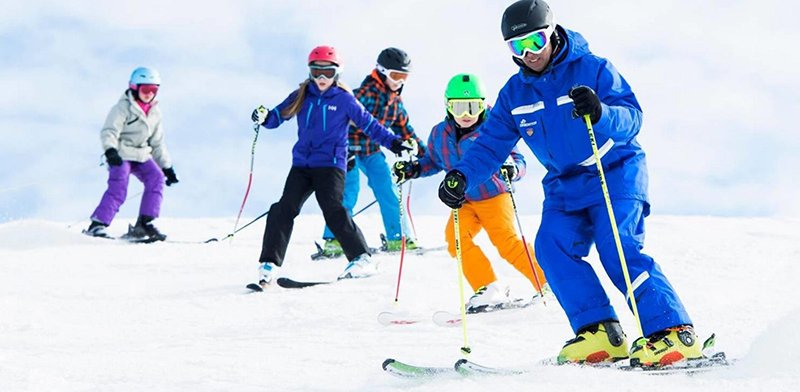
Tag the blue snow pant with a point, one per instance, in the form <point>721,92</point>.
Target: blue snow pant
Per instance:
<point>379,178</point>
<point>564,239</point>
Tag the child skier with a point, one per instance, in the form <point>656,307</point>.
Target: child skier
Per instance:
<point>559,83</point>
<point>488,205</point>
<point>133,141</point>
<point>380,94</point>
<point>319,159</point>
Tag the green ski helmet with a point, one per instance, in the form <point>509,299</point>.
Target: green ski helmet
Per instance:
<point>464,86</point>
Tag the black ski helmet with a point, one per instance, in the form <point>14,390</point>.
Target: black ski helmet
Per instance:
<point>525,16</point>
<point>396,59</point>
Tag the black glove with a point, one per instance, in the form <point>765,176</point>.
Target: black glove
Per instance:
<point>406,170</point>
<point>510,169</point>
<point>112,157</point>
<point>259,115</point>
<point>351,160</point>
<point>398,146</point>
<point>452,188</point>
<point>586,102</point>
<point>171,177</point>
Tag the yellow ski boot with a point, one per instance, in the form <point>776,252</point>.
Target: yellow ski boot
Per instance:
<point>602,342</point>
<point>666,347</point>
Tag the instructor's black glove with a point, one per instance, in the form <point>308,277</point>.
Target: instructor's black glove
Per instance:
<point>452,189</point>
<point>169,173</point>
<point>112,157</point>
<point>398,146</point>
<point>406,170</point>
<point>586,102</point>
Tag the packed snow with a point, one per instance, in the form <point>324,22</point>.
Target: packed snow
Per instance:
<point>86,314</point>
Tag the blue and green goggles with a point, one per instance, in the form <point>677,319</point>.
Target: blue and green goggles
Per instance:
<point>534,42</point>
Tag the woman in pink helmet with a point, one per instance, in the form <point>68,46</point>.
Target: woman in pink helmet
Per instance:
<point>324,107</point>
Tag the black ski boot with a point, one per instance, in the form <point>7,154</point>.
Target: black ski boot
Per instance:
<point>97,229</point>
<point>144,231</point>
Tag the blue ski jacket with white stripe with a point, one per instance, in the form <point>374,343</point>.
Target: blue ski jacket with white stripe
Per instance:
<point>537,109</point>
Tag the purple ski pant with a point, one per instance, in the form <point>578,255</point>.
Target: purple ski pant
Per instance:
<point>148,173</point>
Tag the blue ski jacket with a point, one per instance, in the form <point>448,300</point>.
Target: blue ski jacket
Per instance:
<point>322,125</point>
<point>538,110</point>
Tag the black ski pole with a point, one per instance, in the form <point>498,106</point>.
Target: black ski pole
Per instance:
<point>265,214</point>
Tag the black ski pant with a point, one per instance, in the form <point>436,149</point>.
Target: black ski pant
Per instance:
<point>328,185</point>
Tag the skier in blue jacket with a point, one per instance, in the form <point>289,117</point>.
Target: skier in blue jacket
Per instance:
<point>558,83</point>
<point>324,108</point>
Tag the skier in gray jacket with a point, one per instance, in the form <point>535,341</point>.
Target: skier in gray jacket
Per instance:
<point>133,141</point>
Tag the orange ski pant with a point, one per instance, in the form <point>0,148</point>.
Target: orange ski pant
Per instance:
<point>496,216</point>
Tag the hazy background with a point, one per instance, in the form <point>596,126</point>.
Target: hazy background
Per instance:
<point>717,81</point>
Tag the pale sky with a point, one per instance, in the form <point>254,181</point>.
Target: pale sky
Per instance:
<point>717,81</point>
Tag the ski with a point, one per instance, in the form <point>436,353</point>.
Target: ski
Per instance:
<point>407,371</point>
<point>690,366</point>
<point>396,318</point>
<point>468,368</point>
<point>147,240</point>
<point>321,255</point>
<point>444,318</point>
<point>255,287</point>
<point>296,284</point>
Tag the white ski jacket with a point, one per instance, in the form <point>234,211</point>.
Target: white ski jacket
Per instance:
<point>136,136</point>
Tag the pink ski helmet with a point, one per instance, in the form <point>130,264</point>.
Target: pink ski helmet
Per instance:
<point>324,53</point>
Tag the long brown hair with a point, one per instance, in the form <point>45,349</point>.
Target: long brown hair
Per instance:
<point>294,107</point>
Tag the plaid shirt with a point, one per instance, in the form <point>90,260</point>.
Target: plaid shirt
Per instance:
<point>444,152</point>
<point>387,107</point>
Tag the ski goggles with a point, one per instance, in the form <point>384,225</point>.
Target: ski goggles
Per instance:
<point>465,107</point>
<point>534,42</point>
<point>323,71</point>
<point>147,88</point>
<point>393,74</point>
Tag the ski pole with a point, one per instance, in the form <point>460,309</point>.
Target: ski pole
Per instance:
<point>465,349</point>
<point>256,127</point>
<point>408,211</point>
<point>265,214</point>
<point>402,243</point>
<point>539,287</point>
<point>613,222</point>
<point>365,207</point>
<point>402,227</point>
<point>237,230</point>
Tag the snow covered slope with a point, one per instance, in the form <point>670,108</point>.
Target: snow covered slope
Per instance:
<point>84,314</point>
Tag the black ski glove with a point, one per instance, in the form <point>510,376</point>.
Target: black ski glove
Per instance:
<point>510,169</point>
<point>260,115</point>
<point>406,170</point>
<point>452,189</point>
<point>586,102</point>
<point>351,160</point>
<point>169,173</point>
<point>113,158</point>
<point>398,146</point>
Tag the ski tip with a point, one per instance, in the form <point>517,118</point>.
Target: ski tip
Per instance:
<point>387,362</point>
<point>255,287</point>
